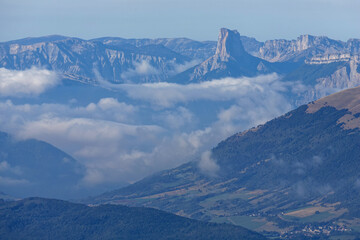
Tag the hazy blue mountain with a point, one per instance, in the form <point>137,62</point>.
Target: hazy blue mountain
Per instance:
<point>6,197</point>
<point>183,60</point>
<point>294,174</point>
<point>87,61</point>
<point>37,218</point>
<point>190,48</point>
<point>36,168</point>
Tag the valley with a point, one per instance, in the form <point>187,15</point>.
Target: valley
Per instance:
<point>260,135</point>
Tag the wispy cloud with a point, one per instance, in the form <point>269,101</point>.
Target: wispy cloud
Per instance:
<point>208,165</point>
<point>141,69</point>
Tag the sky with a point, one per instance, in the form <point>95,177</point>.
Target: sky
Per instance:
<point>195,19</point>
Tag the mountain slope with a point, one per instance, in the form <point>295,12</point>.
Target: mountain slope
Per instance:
<point>299,169</point>
<point>36,168</point>
<point>37,218</point>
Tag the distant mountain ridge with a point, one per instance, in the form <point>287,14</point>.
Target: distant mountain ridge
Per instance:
<point>36,168</point>
<point>184,46</point>
<point>320,64</point>
<point>86,61</point>
<point>37,218</point>
<point>117,59</point>
<point>305,46</point>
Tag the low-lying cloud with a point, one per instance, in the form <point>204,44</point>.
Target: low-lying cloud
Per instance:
<point>141,69</point>
<point>169,94</point>
<point>31,82</point>
<point>157,126</point>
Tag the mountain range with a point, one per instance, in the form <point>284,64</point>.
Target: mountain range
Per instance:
<point>322,65</point>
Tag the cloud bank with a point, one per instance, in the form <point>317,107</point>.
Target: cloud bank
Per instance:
<point>155,127</point>
<point>169,94</point>
<point>31,82</point>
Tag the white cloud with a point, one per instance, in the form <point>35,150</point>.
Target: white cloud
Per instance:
<point>169,94</point>
<point>102,146</point>
<point>7,181</point>
<point>141,69</point>
<point>208,165</point>
<point>110,109</point>
<point>31,82</point>
<point>178,68</point>
<point>177,118</point>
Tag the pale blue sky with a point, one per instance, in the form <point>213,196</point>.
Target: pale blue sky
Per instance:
<point>196,19</point>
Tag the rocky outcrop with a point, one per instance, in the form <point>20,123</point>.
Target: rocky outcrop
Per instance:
<point>230,60</point>
<point>326,59</point>
<point>303,48</point>
<point>346,76</point>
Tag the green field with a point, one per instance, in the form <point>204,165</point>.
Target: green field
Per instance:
<point>343,237</point>
<point>320,217</point>
<point>244,221</point>
<point>225,196</point>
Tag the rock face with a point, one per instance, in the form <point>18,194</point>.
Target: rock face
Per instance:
<point>229,46</point>
<point>230,60</point>
<point>326,74</point>
<point>281,174</point>
<point>304,47</point>
<point>347,76</point>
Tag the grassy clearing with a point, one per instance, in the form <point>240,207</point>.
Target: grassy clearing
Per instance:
<point>226,196</point>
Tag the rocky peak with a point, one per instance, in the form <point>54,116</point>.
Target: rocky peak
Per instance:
<point>229,60</point>
<point>307,41</point>
<point>229,44</point>
<point>304,42</point>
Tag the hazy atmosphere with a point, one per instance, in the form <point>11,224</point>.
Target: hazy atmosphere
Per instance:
<point>169,119</point>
